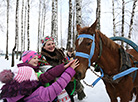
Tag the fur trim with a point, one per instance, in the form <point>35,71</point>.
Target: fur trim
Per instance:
<point>53,58</point>
<point>13,88</point>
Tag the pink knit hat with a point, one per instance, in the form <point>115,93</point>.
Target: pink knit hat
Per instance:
<point>24,73</point>
<point>28,55</point>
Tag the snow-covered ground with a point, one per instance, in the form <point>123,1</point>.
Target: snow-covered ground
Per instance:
<point>96,94</point>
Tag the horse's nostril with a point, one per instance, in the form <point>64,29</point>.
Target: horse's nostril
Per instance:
<point>78,75</point>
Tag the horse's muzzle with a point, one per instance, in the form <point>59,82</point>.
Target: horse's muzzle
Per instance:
<point>78,75</point>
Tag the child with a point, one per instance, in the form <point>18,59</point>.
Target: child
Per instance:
<point>25,86</point>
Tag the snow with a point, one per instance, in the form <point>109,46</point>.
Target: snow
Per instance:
<point>96,94</point>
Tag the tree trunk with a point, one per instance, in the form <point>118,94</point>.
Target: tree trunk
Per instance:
<point>131,21</point>
<point>16,32</point>
<point>123,20</point>
<point>13,53</point>
<point>22,28</point>
<point>44,18</point>
<point>98,13</point>
<point>52,19</point>
<point>28,25</point>
<point>113,12</point>
<point>74,31</point>
<point>69,25</point>
<point>6,56</point>
<point>78,14</point>
<point>56,22</point>
<point>38,42</point>
<point>61,23</point>
<point>17,28</point>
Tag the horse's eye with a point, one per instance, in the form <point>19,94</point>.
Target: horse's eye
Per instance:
<point>89,44</point>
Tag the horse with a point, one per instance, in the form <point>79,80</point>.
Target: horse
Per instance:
<point>93,48</point>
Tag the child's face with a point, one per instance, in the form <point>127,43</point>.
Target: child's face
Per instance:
<point>70,54</point>
<point>34,61</point>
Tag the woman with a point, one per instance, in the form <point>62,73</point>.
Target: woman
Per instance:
<point>53,56</point>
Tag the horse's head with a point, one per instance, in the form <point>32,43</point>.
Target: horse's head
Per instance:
<point>85,48</point>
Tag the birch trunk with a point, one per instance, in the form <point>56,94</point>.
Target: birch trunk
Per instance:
<point>22,27</point>
<point>98,13</point>
<point>6,56</point>
<point>131,21</point>
<point>28,25</point>
<point>113,12</point>
<point>16,32</point>
<point>69,25</point>
<point>123,20</point>
<point>56,22</point>
<point>38,40</point>
<point>78,14</point>
<point>52,19</point>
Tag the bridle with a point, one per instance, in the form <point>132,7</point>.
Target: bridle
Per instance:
<point>89,56</point>
<point>84,55</point>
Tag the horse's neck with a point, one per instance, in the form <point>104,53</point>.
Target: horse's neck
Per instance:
<point>110,58</point>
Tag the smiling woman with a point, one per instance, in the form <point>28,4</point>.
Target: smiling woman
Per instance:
<point>54,56</point>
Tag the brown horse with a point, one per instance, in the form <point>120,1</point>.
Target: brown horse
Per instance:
<point>107,54</point>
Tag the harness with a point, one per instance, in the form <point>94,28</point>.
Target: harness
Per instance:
<point>125,62</point>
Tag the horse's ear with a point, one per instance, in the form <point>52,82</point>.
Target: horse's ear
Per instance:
<point>78,27</point>
<point>93,26</point>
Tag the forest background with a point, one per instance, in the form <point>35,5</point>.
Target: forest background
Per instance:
<point>23,23</point>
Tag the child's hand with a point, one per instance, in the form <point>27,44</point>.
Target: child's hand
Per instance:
<point>75,64</point>
<point>68,64</point>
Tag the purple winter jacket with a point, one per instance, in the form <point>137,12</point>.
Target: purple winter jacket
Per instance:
<point>47,94</point>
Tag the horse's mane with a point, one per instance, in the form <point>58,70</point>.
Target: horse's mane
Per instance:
<point>108,42</point>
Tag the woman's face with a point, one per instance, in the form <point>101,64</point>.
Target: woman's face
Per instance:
<point>49,46</point>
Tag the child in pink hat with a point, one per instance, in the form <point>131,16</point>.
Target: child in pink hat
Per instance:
<point>23,85</point>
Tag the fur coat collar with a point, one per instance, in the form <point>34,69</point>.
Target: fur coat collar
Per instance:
<point>53,58</point>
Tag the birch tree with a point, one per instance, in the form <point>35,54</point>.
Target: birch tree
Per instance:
<point>6,56</point>
<point>69,25</point>
<point>78,14</point>
<point>39,16</point>
<point>24,35</point>
<point>28,25</point>
<point>74,25</point>
<point>61,23</point>
<point>22,10</point>
<point>131,21</point>
<point>123,20</point>
<point>17,29</point>
<point>113,12</point>
<point>54,21</point>
<point>16,32</point>
<point>98,13</point>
